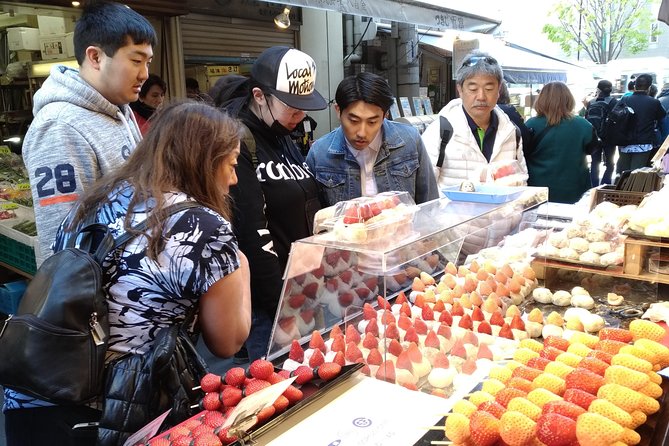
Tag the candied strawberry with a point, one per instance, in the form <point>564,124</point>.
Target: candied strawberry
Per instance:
<point>261,369</point>
<point>352,334</point>
<point>304,374</point>
<point>401,298</point>
<point>601,355</point>
<point>556,342</point>
<point>317,342</point>
<point>386,372</point>
<point>427,313</point>
<point>265,414</point>
<point>579,397</point>
<point>526,372</point>
<point>585,380</point>
<point>293,394</point>
<point>392,332</point>
<point>550,353</point>
<point>431,340</point>
<point>207,439</point>
<point>231,396</point>
<point>328,371</point>
<point>405,309</point>
<point>410,335</point>
<point>213,418</point>
<point>370,341</point>
<point>616,334</point>
<point>594,365</point>
<point>296,351</point>
<point>564,408</point>
<point>492,407</point>
<point>340,359</point>
<point>277,377</point>
<point>383,304</point>
<point>538,363</point>
<point>497,319</point>
<point>457,309</point>
<point>210,382</point>
<point>484,428</point>
<point>507,394</point>
<point>477,314</point>
<point>404,322</point>
<point>394,347</point>
<point>420,326</point>
<point>466,322</point>
<point>211,401</point>
<point>517,323</point>
<point>374,357</point>
<point>235,376</point>
<point>505,332</point>
<point>254,385</point>
<point>556,430</point>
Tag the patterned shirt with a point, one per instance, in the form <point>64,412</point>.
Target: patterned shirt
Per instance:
<point>144,294</point>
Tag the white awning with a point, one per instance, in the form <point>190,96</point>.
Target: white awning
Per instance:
<point>444,16</point>
<point>520,65</point>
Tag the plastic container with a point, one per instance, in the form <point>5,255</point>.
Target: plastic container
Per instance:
<point>484,193</point>
<point>17,254</point>
<point>385,216</point>
<point>619,197</point>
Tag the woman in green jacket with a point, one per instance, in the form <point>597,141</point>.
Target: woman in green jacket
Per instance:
<point>561,142</point>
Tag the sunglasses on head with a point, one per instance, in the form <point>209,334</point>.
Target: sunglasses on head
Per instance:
<point>470,62</point>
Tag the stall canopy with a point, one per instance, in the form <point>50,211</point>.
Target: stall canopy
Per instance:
<point>446,15</point>
<point>520,65</point>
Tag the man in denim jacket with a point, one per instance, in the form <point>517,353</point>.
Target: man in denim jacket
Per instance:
<point>369,154</point>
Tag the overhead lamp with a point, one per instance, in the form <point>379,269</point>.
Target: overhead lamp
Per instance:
<point>283,20</point>
<point>76,4</point>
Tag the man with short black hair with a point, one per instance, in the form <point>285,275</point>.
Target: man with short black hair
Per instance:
<point>647,112</point>
<point>369,154</point>
<point>83,127</point>
<point>596,112</point>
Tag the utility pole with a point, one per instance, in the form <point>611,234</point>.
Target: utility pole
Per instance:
<point>580,20</point>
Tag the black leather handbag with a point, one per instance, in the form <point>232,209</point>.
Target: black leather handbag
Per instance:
<point>140,387</point>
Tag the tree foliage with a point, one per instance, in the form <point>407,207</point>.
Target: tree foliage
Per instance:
<point>602,28</point>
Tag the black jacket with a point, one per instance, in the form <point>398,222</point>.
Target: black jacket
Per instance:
<point>647,112</point>
<point>274,205</point>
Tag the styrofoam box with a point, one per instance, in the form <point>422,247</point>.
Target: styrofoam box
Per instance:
<point>50,25</point>
<point>57,46</point>
<point>22,38</point>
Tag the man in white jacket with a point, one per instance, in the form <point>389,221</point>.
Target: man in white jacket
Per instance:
<point>482,139</point>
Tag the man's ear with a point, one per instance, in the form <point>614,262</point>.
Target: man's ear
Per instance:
<point>93,56</point>
<point>258,95</point>
<point>337,110</point>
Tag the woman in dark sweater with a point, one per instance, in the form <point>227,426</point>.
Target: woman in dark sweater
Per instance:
<point>151,96</point>
<point>561,142</point>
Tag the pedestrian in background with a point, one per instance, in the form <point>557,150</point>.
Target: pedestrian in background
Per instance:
<point>596,112</point>
<point>151,97</point>
<point>561,142</point>
<point>504,102</point>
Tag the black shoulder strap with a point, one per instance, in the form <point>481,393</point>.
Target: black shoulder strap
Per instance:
<point>109,244</point>
<point>537,139</point>
<point>446,131</point>
<point>518,135</point>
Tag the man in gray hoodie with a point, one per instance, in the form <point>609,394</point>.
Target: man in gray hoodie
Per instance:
<point>83,127</point>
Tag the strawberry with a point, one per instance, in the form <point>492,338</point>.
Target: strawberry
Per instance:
<point>368,312</point>
<point>162,441</point>
<point>383,304</point>
<point>225,436</point>
<point>601,355</point>
<point>405,309</point>
<point>296,351</point>
<point>505,332</point>
<point>345,298</point>
<point>585,380</point>
<point>372,327</point>
<point>516,429</point>
<point>336,331</point>
<point>470,338</point>
<point>594,365</point>
<point>444,330</point>
<point>370,341</point>
<point>310,290</point>
<point>260,369</point>
<point>297,300</point>
<point>304,374</point>
<point>496,318</point>
<point>403,362</point>
<point>492,407</point>
<point>505,395</point>
<point>645,329</point>
<point>338,344</point>
<point>352,215</point>
<point>556,430</point>
<point>235,376</point>
<point>446,318</point>
<point>184,429</point>
<point>293,394</point>
<point>526,372</point>
<point>457,309</point>
<point>439,306</point>
<point>254,385</point>
<point>420,326</point>
<point>281,404</point>
<point>484,327</point>
<point>230,396</point>
<point>519,383</point>
<point>362,292</point>
<point>466,322</point>
<point>316,359</point>
<point>317,342</point>
<point>457,428</point>
<point>556,342</point>
<point>213,418</point>
<point>579,397</point>
<point>392,332</point>
<point>440,361</point>
<point>265,414</point>
<point>394,348</point>
<point>484,352</point>
<point>411,335</point>
<point>352,334</point>
<point>484,428</point>
<point>386,372</point>
<point>564,408</point>
<point>477,315</point>
<point>328,371</point>
<point>616,334</point>
<point>211,401</point>
<point>517,323</point>
<point>458,349</point>
<point>210,382</point>
<point>538,363</point>
<point>404,322</point>
<point>201,429</point>
<point>207,439</point>
<point>352,352</point>
<point>427,313</point>
<point>431,340</point>
<point>610,346</point>
<point>469,366</point>
<point>374,357</point>
<point>550,353</point>
<point>346,276</point>
<point>365,370</point>
<point>278,377</point>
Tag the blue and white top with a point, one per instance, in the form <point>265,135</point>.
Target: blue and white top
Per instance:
<point>143,294</point>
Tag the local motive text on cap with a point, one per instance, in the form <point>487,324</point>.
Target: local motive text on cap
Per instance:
<point>297,74</point>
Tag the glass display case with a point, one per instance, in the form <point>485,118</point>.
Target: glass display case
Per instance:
<point>328,280</point>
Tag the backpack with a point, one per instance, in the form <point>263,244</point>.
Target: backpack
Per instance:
<point>619,125</point>
<point>54,347</point>
<point>446,132</point>
<point>596,113</point>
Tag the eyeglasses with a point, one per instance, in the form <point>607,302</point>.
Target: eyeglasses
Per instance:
<point>476,59</point>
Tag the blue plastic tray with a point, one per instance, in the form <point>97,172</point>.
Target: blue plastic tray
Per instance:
<point>485,193</point>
